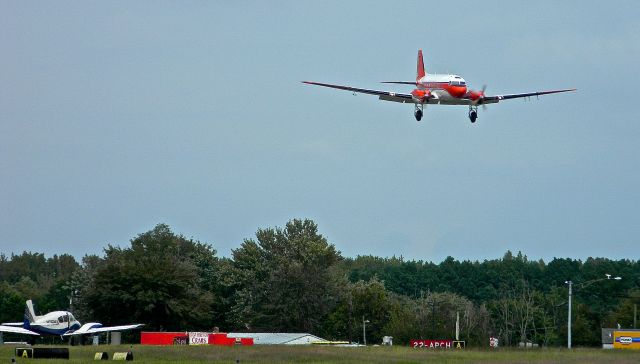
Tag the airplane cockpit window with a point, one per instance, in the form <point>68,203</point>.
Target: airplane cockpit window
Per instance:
<point>60,319</point>
<point>71,318</point>
<point>65,318</point>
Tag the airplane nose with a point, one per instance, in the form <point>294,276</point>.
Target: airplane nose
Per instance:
<point>458,91</point>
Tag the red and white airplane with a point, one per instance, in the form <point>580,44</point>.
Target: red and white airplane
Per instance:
<point>439,89</point>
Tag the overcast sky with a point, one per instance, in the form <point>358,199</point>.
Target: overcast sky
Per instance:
<point>116,116</point>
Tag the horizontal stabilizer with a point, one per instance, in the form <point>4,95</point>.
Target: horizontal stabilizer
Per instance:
<point>401,82</point>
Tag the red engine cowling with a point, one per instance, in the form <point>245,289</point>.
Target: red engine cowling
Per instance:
<point>421,96</point>
<point>477,97</point>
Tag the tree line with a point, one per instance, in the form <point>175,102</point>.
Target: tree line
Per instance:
<point>291,279</point>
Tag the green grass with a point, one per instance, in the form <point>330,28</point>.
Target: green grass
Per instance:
<point>322,354</point>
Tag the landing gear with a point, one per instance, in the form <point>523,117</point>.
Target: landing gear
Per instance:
<point>473,113</point>
<point>418,113</point>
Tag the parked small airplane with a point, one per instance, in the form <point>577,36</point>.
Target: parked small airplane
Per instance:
<point>61,323</point>
<point>442,89</point>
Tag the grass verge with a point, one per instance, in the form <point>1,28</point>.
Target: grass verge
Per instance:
<point>323,354</point>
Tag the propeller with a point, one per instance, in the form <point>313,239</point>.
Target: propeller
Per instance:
<point>479,97</point>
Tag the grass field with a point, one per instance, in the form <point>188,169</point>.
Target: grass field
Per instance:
<point>316,354</point>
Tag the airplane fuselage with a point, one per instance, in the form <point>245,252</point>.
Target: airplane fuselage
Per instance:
<point>446,89</point>
<point>53,323</point>
<point>455,86</point>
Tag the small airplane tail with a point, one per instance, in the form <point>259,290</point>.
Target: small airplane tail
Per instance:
<point>29,314</point>
<point>420,68</point>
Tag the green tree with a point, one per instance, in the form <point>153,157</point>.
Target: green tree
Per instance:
<point>361,300</point>
<point>623,314</point>
<point>283,279</point>
<point>403,323</point>
<point>160,281</point>
<point>27,288</point>
<point>11,304</point>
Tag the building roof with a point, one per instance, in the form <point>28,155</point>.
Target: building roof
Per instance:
<point>277,338</point>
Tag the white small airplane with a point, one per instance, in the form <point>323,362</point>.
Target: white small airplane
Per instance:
<point>442,89</point>
<point>60,323</point>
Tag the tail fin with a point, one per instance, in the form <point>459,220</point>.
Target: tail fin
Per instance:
<point>29,314</point>
<point>420,72</point>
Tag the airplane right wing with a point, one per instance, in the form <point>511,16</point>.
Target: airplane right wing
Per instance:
<point>17,330</point>
<point>95,328</point>
<point>16,324</point>
<point>382,95</point>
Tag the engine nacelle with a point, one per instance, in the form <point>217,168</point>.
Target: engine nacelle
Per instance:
<point>477,97</point>
<point>421,96</point>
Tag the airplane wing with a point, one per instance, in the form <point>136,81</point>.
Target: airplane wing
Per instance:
<point>407,98</point>
<point>528,94</point>
<point>16,324</point>
<point>17,330</point>
<point>382,95</point>
<point>97,328</point>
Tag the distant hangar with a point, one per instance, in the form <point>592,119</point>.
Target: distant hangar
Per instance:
<point>277,338</point>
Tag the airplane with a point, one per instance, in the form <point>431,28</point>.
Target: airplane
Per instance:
<point>60,323</point>
<point>443,89</point>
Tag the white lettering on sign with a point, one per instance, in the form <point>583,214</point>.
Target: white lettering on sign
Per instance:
<point>626,340</point>
<point>431,344</point>
<point>198,338</point>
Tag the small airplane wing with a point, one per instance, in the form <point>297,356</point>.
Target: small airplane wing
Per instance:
<point>97,328</point>
<point>17,330</point>
<point>528,94</point>
<point>16,324</point>
<point>383,95</point>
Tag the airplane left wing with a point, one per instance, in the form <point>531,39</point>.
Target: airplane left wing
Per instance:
<point>95,328</point>
<point>383,95</point>
<point>528,94</point>
<point>17,330</point>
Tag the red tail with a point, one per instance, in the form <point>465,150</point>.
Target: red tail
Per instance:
<point>420,72</point>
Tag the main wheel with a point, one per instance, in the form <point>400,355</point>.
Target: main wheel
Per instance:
<point>473,116</point>
<point>418,114</point>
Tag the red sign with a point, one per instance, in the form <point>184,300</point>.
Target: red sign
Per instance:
<point>432,344</point>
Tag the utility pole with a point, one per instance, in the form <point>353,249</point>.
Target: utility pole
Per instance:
<point>569,316</point>
<point>582,285</point>
<point>433,318</point>
<point>364,330</point>
<point>457,325</point>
